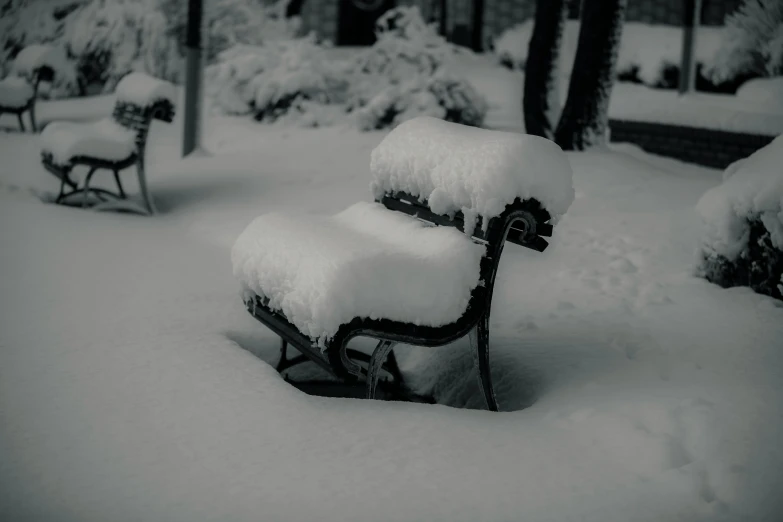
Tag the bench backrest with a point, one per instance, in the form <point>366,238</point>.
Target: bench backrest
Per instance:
<point>139,119</point>
<point>523,222</point>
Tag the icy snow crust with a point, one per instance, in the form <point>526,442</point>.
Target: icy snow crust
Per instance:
<point>15,92</point>
<point>752,188</point>
<point>366,261</point>
<point>104,139</point>
<point>456,167</point>
<point>144,90</point>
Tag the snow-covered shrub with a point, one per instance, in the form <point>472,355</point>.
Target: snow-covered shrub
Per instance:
<point>110,38</point>
<point>280,77</point>
<point>35,56</point>
<point>230,23</point>
<point>105,39</point>
<point>743,244</point>
<point>404,74</point>
<point>752,42</point>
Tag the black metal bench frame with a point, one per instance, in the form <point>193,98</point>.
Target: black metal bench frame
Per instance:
<point>523,223</point>
<point>41,74</point>
<point>130,116</point>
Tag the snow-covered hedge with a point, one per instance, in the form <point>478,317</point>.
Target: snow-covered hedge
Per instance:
<point>648,54</point>
<point>403,75</point>
<point>751,42</point>
<point>743,243</point>
<point>104,39</point>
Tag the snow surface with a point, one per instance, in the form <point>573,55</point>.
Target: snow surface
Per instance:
<point>456,167</point>
<point>752,189</point>
<point>763,91</point>
<point>144,90</point>
<point>105,139</point>
<point>135,386</point>
<point>15,92</point>
<point>366,261</point>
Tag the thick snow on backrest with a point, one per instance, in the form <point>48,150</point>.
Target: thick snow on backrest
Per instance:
<point>752,189</point>
<point>456,167</point>
<point>35,56</point>
<point>144,90</point>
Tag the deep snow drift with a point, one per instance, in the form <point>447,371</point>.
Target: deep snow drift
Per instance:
<point>632,390</point>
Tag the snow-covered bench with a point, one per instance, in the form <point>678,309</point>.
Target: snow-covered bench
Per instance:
<point>418,265</point>
<point>19,91</point>
<point>111,144</point>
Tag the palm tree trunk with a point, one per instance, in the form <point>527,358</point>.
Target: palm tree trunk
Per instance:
<point>585,116</point>
<point>541,98</point>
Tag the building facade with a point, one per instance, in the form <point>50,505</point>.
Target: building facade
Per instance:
<point>350,22</point>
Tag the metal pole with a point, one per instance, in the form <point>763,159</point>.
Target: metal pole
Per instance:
<point>191,136</point>
<point>691,15</point>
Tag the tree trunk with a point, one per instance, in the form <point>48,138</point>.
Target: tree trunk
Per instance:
<point>585,116</point>
<point>541,99</point>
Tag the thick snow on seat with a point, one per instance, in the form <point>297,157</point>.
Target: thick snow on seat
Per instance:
<point>752,189</point>
<point>366,261</point>
<point>144,90</point>
<point>103,139</point>
<point>15,92</point>
<point>456,167</point>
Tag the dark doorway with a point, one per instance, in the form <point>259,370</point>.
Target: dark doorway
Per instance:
<point>356,23</point>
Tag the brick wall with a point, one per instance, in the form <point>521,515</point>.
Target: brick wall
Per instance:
<point>711,148</point>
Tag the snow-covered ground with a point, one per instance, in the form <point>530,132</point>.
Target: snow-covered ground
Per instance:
<point>135,386</point>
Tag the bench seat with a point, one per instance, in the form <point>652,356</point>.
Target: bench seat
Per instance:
<point>366,261</point>
<point>104,139</point>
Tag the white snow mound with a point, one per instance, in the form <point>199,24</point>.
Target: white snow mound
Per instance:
<point>456,167</point>
<point>366,261</point>
<point>105,139</point>
<point>35,56</point>
<point>752,189</point>
<point>15,92</point>
<point>144,90</point>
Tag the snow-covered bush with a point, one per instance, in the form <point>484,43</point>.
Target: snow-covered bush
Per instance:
<point>280,77</point>
<point>404,74</point>
<point>230,23</point>
<point>105,39</point>
<point>110,38</point>
<point>743,243</point>
<point>751,43</point>
<point>35,56</point>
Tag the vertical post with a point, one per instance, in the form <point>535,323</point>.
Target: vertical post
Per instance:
<point>691,15</point>
<point>444,27</point>
<point>191,136</point>
<point>478,26</point>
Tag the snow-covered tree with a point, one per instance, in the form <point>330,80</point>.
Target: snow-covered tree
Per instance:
<point>585,117</point>
<point>541,100</point>
<point>233,22</point>
<point>752,42</point>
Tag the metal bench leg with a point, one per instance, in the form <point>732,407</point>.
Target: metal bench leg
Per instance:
<point>87,186</point>
<point>376,362</point>
<point>32,118</point>
<point>119,185</point>
<point>283,358</point>
<point>21,121</point>
<point>145,196</point>
<point>479,341</point>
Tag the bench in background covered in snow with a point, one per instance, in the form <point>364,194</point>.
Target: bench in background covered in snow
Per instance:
<point>111,144</point>
<point>19,91</point>
<point>417,266</point>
